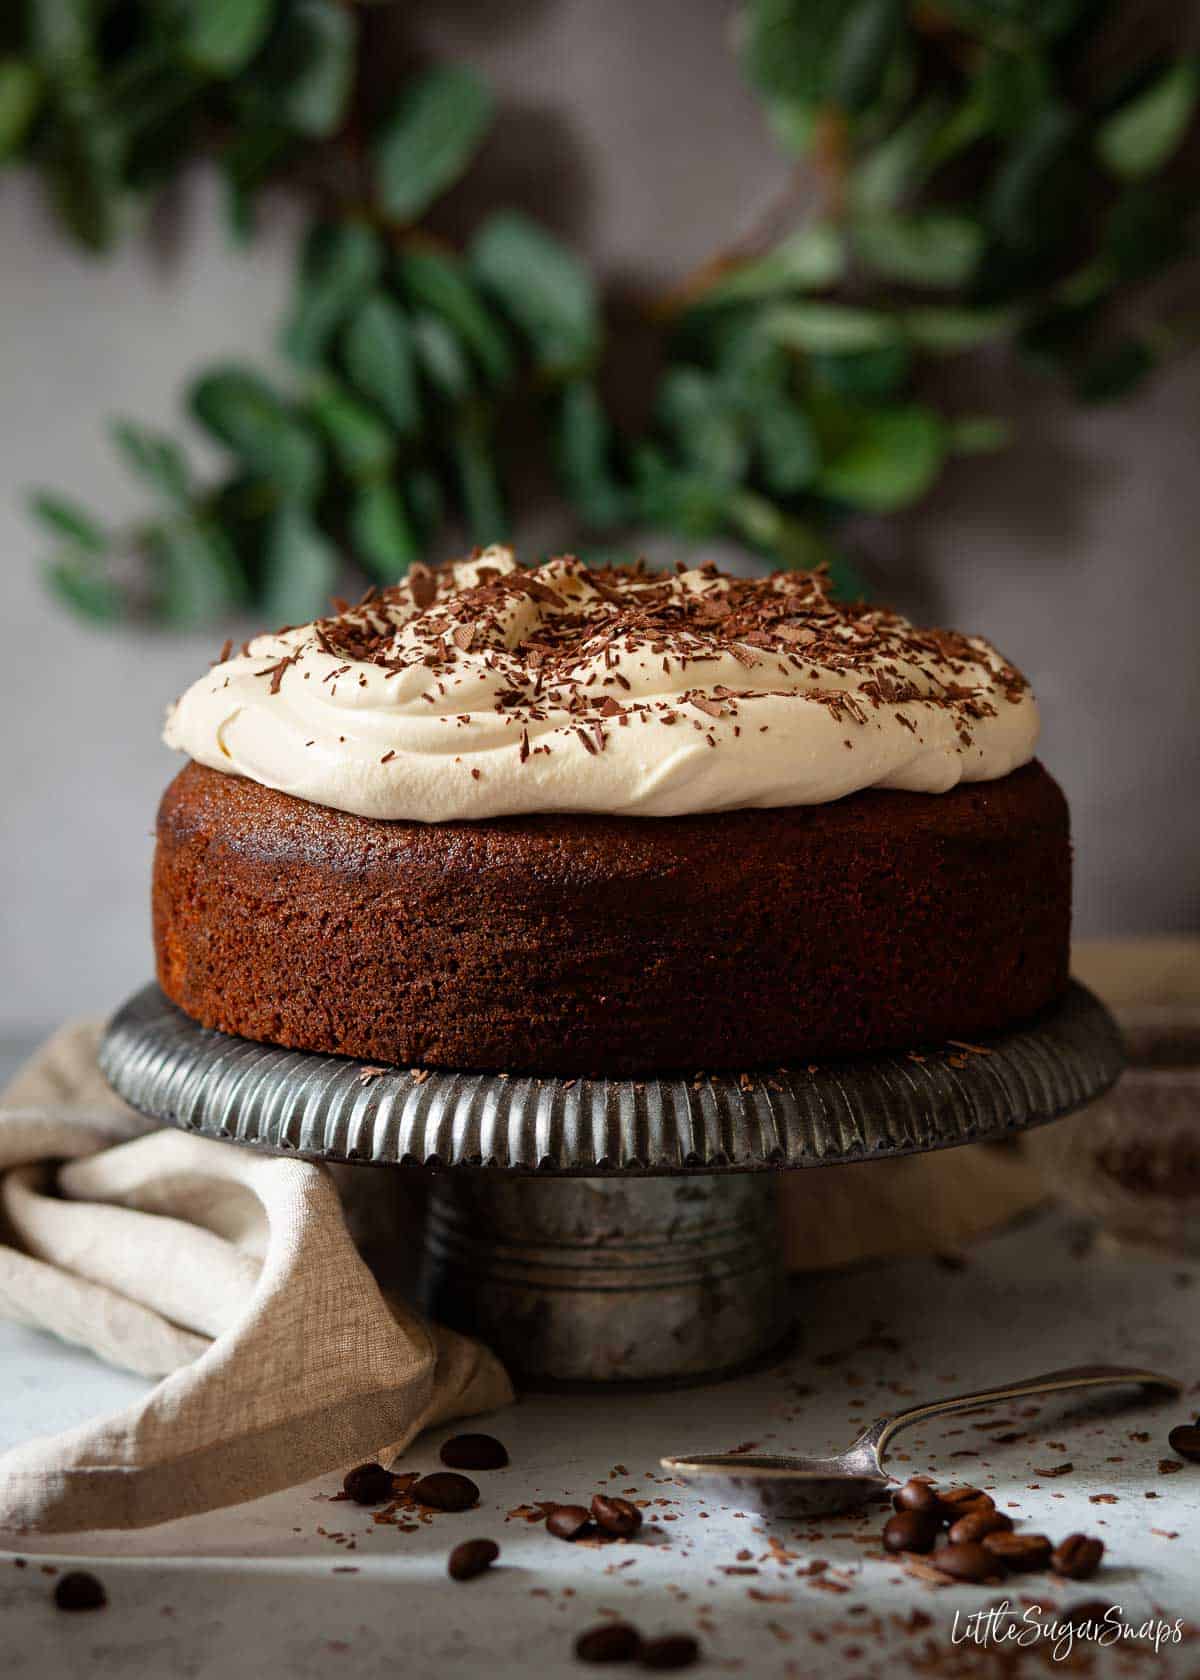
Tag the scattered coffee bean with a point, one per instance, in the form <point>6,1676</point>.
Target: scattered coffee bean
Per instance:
<point>616,1516</point>
<point>79,1591</point>
<point>1077,1557</point>
<point>444,1490</point>
<point>567,1522</point>
<point>474,1452</point>
<point>911,1531</point>
<point>368,1484</point>
<point>471,1558</point>
<point>917,1494</point>
<point>611,1642</point>
<point>673,1650</point>
<point>1018,1551</point>
<point>966,1562</point>
<point>1184,1439</point>
<point>977,1522</point>
<point>955,1502</point>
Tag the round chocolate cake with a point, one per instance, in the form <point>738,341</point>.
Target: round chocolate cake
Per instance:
<point>610,822</point>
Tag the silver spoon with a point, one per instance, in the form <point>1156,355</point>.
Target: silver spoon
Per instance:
<point>809,1487</point>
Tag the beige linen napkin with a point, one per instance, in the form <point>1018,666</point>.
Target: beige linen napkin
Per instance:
<point>229,1275</point>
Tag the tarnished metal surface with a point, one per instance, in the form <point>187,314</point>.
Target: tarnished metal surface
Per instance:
<point>338,1109</point>
<point>606,1237</point>
<point>608,1279</point>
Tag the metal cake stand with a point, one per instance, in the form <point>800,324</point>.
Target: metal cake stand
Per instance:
<point>606,1230</point>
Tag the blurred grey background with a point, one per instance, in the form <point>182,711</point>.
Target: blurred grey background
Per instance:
<point>1075,552</point>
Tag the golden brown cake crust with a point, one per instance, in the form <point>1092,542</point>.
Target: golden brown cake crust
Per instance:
<point>618,945</point>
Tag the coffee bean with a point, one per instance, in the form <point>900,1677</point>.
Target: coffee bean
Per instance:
<point>917,1494</point>
<point>445,1491</point>
<point>911,1531</point>
<point>977,1522</point>
<point>616,1516</point>
<point>1184,1439</point>
<point>1077,1557</point>
<point>673,1650</point>
<point>368,1484</point>
<point>966,1562</point>
<point>567,1522</point>
<point>79,1591</point>
<point>611,1642</point>
<point>955,1502</point>
<point>1018,1551</point>
<point>471,1558</point>
<point>474,1452</point>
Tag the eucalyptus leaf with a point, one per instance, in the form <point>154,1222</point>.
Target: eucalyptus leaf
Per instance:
<point>585,445</point>
<point>67,518</point>
<point>62,36</point>
<point>922,248</point>
<point>240,409</point>
<point>441,358</point>
<point>790,541</point>
<point>787,447</point>
<point>1022,206</point>
<point>752,368</point>
<point>88,592</point>
<point>377,350</point>
<point>382,533</point>
<point>866,43</point>
<point>1140,137</point>
<point>829,326</point>
<point>479,480</point>
<point>682,499</point>
<point>888,458</point>
<point>300,566</point>
<point>222,36</point>
<point>199,575</point>
<point>362,443</point>
<point>872,375</point>
<point>792,123</point>
<point>899,164</point>
<point>156,459</point>
<point>440,284</point>
<point>339,265</point>
<point>307,68</point>
<point>542,287</point>
<point>948,330</point>
<point>706,429</point>
<point>787,47</point>
<point>81,166</point>
<point>977,434</point>
<point>429,139</point>
<point>1013,88</point>
<point>425,502</point>
<point>806,261</point>
<point>20,94</point>
<point>246,164</point>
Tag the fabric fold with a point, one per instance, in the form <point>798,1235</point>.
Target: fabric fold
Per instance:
<point>229,1275</point>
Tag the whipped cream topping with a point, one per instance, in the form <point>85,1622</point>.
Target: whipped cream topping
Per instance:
<point>485,689</point>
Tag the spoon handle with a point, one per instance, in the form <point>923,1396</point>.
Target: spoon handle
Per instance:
<point>1076,1376</point>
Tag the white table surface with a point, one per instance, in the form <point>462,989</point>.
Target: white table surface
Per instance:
<point>261,1590</point>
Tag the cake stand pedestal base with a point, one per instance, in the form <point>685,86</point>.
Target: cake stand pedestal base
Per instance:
<point>585,1280</point>
<point>601,1230</point>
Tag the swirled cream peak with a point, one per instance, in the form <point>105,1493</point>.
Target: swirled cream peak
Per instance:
<point>485,689</point>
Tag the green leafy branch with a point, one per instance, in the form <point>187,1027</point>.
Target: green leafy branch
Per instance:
<point>975,185</point>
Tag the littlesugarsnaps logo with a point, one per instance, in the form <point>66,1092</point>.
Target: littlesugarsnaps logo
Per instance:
<point>1059,1631</point>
